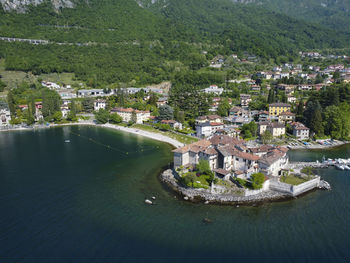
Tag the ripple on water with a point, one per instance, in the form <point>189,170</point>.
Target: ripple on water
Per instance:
<point>84,202</point>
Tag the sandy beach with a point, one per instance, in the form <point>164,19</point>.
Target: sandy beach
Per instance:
<point>151,135</point>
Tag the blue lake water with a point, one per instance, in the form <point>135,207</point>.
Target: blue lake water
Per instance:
<point>83,201</point>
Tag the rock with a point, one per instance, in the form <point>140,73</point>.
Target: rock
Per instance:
<point>149,202</point>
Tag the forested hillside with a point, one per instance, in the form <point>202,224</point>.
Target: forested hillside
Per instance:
<point>331,13</point>
<point>108,41</point>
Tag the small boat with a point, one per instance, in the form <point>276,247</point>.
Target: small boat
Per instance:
<point>346,167</point>
<point>149,202</point>
<point>340,167</point>
<point>67,141</point>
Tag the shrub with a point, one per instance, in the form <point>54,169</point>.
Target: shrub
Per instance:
<point>257,180</point>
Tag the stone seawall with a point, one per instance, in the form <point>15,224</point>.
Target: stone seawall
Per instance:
<point>169,177</point>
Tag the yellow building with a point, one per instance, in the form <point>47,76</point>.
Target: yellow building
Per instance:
<point>275,109</point>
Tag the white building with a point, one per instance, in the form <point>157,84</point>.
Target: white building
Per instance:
<point>50,85</point>
<point>92,93</point>
<point>5,117</point>
<point>208,128</point>
<point>245,100</point>
<point>129,114</point>
<point>274,161</point>
<point>213,89</point>
<point>65,110</point>
<point>229,156</point>
<point>173,124</point>
<point>99,104</point>
<point>300,131</point>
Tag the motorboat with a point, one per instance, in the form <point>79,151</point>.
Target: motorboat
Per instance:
<point>340,167</point>
<point>346,167</point>
<point>67,141</point>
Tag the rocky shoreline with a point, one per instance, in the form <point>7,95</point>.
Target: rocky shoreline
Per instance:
<point>169,178</point>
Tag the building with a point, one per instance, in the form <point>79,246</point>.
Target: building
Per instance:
<point>5,117</point>
<point>50,85</point>
<point>288,89</point>
<point>263,116</point>
<point>213,89</point>
<point>245,100</point>
<point>274,161</point>
<point>275,128</point>
<point>99,104</point>
<point>275,109</point>
<point>209,118</point>
<point>292,99</point>
<point>228,157</point>
<point>92,93</point>
<point>207,129</point>
<point>173,124</point>
<point>65,110</point>
<point>286,117</point>
<point>300,131</point>
<point>129,114</point>
<point>236,111</point>
<point>162,101</point>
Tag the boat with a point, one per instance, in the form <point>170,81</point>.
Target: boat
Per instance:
<point>149,202</point>
<point>346,167</point>
<point>340,167</point>
<point>67,141</point>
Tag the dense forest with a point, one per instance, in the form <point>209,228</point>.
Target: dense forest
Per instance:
<point>330,13</point>
<point>113,41</point>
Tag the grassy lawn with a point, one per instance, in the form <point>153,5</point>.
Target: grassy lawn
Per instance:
<point>292,179</point>
<point>15,78</point>
<point>197,182</point>
<point>179,137</point>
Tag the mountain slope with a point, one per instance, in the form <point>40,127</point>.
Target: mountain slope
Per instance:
<point>331,13</point>
<point>147,41</point>
<point>248,27</point>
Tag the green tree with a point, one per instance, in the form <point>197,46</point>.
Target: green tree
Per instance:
<point>180,116</point>
<point>51,102</point>
<point>166,112</point>
<point>72,116</point>
<point>300,111</point>
<point>316,120</point>
<point>266,137</point>
<point>57,116</point>
<point>11,102</point>
<point>115,118</point>
<point>224,107</point>
<point>153,98</point>
<point>102,116</point>
<point>2,86</point>
<point>88,104</point>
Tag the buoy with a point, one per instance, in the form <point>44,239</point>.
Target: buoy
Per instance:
<point>149,202</point>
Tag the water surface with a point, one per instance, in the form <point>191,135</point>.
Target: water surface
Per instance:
<point>83,201</point>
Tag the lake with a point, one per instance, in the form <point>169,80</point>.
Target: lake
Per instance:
<point>83,201</point>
